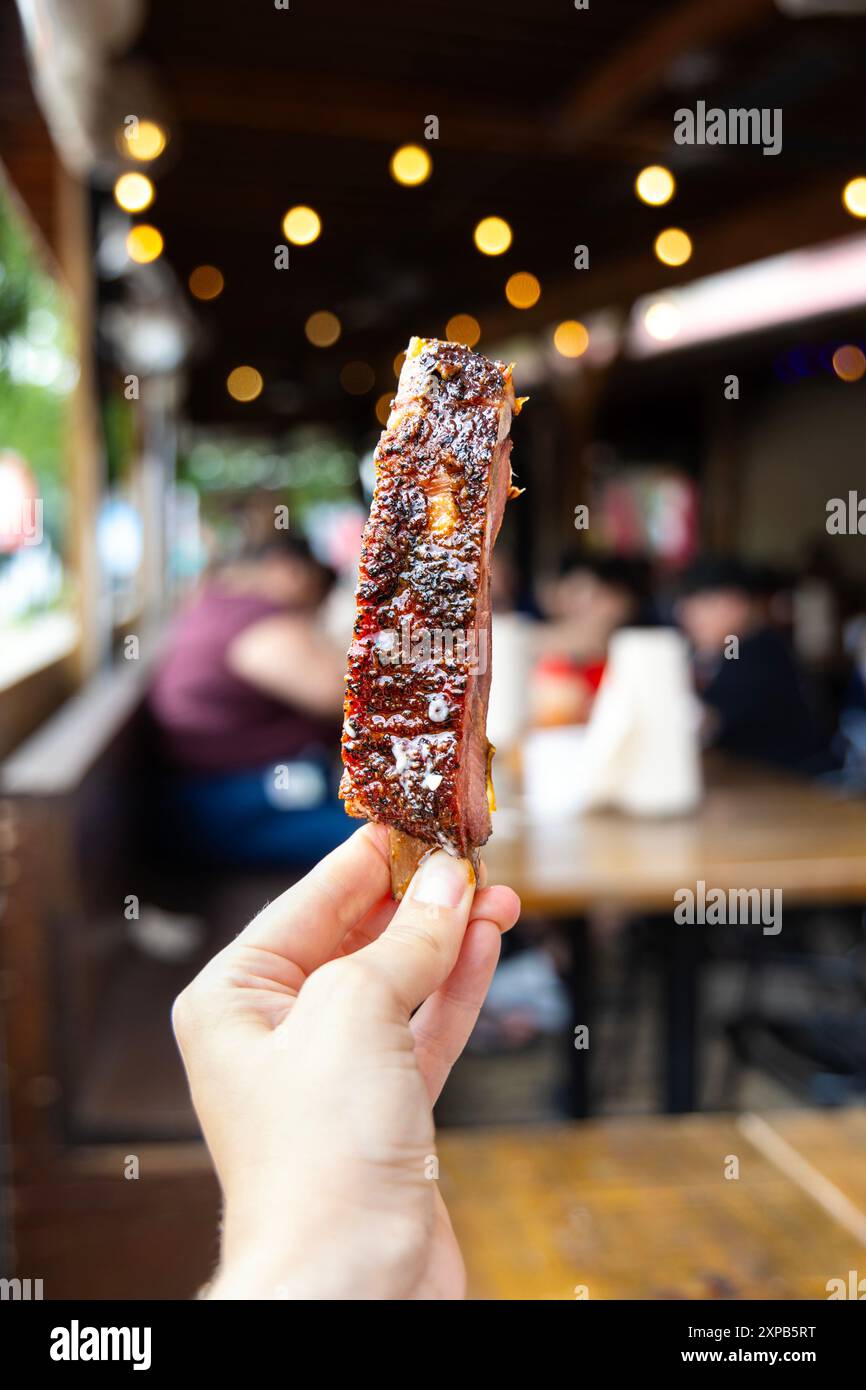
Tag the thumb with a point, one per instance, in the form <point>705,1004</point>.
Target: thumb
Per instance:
<point>419,947</point>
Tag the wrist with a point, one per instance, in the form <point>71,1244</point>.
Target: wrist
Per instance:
<point>255,1278</point>
<point>261,1259</point>
<point>327,1256</point>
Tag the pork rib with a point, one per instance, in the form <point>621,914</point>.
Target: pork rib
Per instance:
<point>415,749</point>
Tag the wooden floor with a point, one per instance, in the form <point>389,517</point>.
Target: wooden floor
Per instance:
<point>631,1209</point>
<point>617,1209</point>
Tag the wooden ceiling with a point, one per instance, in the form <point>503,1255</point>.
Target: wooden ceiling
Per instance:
<point>546,113</point>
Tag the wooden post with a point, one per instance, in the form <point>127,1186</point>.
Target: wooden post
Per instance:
<point>85,451</point>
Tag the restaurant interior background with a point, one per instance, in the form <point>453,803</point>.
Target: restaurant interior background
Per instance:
<point>220,225</point>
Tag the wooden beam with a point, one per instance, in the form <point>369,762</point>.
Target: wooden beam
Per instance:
<point>325,106</point>
<point>639,66</point>
<point>86,455</point>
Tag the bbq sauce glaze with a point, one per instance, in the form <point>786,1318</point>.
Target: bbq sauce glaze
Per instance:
<point>418,666</point>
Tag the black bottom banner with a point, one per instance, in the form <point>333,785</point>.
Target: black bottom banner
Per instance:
<point>245,1338</point>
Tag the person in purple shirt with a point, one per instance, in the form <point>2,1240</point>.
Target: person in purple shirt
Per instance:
<point>246,709</point>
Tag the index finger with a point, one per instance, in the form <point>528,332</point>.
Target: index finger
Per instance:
<point>307,923</point>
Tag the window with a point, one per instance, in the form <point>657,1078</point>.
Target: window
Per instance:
<point>38,371</point>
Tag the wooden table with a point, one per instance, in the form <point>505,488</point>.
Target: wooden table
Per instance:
<point>642,1208</point>
<point>756,828</point>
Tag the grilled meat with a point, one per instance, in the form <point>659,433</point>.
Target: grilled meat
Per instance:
<point>415,750</point>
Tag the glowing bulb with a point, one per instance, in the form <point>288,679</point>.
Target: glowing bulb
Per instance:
<point>383,408</point>
<point>357,378</point>
<point>410,165</point>
<point>849,362</point>
<point>244,384</point>
<point>571,338</point>
<point>206,282</point>
<point>134,192</point>
<point>302,225</point>
<point>398,363</point>
<point>143,140</point>
<point>673,246</point>
<point>492,236</point>
<point>655,185</point>
<point>854,197</point>
<point>144,243</point>
<point>522,290</point>
<point>662,321</point>
<point>463,328</point>
<point>322,328</point>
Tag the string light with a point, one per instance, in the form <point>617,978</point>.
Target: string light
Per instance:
<point>410,165</point>
<point>849,362</point>
<point>492,236</point>
<point>854,197</point>
<point>144,243</point>
<point>206,282</point>
<point>522,289</point>
<point>463,328</point>
<point>383,408</point>
<point>673,246</point>
<point>301,225</point>
<point>662,321</point>
<point>244,384</point>
<point>322,328</point>
<point>655,185</point>
<point>142,140</point>
<point>571,338</point>
<point>134,192</point>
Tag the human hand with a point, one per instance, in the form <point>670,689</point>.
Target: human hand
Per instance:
<point>316,1045</point>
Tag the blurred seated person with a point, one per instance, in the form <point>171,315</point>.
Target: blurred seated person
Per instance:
<point>854,637</point>
<point>755,699</point>
<point>593,597</point>
<point>850,741</point>
<point>246,704</point>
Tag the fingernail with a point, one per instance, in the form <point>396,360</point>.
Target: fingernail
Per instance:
<point>441,880</point>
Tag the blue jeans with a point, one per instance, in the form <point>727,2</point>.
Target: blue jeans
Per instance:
<point>280,814</point>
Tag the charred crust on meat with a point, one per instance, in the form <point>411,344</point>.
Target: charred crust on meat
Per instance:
<point>412,723</point>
